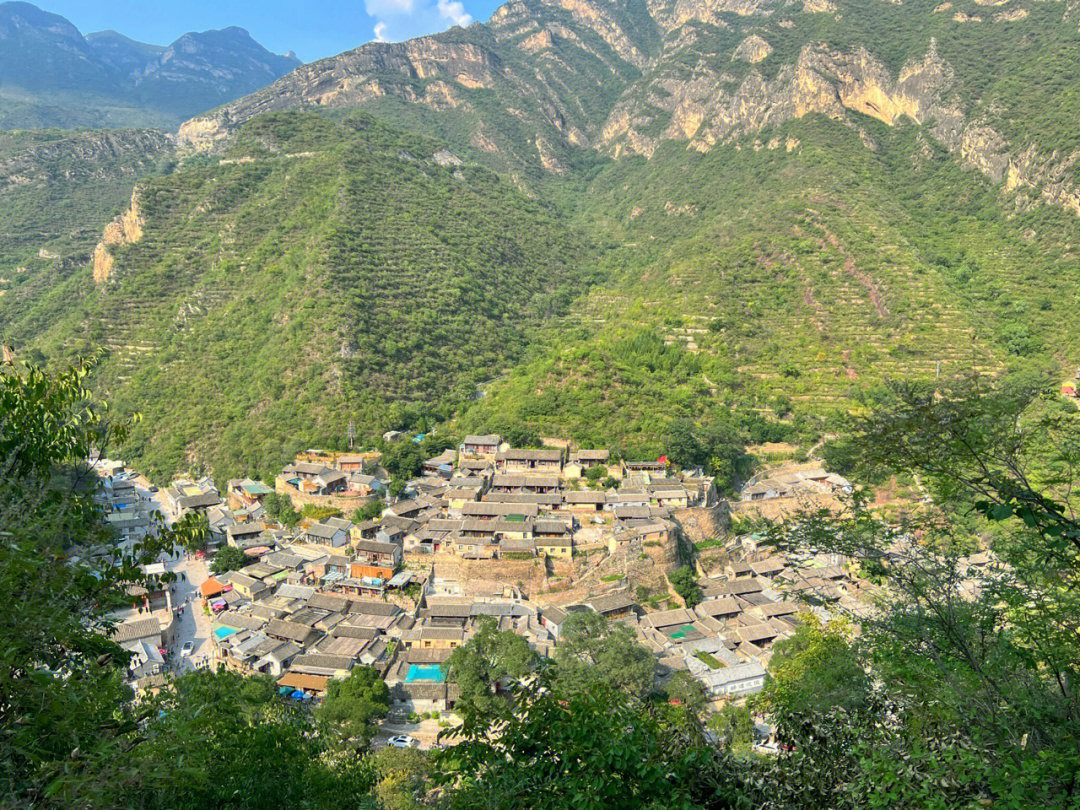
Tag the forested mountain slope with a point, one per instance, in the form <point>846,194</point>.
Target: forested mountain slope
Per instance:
<point>692,207</point>
<point>324,271</point>
<point>544,80</point>
<point>57,190</point>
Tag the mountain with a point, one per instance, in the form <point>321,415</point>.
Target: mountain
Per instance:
<point>319,270</point>
<point>57,190</point>
<point>51,75</point>
<point>748,208</point>
<point>544,81</point>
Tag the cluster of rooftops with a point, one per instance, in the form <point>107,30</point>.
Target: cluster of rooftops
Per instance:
<point>483,500</point>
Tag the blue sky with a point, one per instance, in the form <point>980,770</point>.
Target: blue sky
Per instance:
<point>312,28</point>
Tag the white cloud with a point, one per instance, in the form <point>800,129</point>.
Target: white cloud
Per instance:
<point>396,20</point>
<point>454,11</point>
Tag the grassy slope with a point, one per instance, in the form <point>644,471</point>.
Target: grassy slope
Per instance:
<point>270,302</point>
<point>59,190</point>
<point>800,278</point>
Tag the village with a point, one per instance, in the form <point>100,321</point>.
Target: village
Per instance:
<point>524,536</point>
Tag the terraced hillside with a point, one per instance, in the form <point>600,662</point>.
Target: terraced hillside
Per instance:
<point>323,272</point>
<point>547,84</point>
<point>691,208</point>
<point>57,191</point>
<point>784,274</point>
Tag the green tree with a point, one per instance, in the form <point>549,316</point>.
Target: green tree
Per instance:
<point>402,778</point>
<point>733,727</point>
<point>685,585</point>
<point>814,670</point>
<point>352,706</point>
<point>228,558</point>
<point>974,671</point>
<point>489,660</point>
<point>212,738</point>
<point>686,691</point>
<point>64,716</point>
<point>369,511</point>
<point>586,748</point>
<point>595,473</point>
<point>279,508</point>
<point>403,459</point>
<point>593,651</point>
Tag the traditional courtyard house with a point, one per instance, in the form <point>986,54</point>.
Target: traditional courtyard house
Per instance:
<point>375,559</point>
<point>581,460</point>
<point>314,685</point>
<point>547,460</point>
<point>146,630</point>
<point>546,501</point>
<point>441,465</point>
<point>649,469</point>
<point>653,532</point>
<point>442,638</point>
<point>404,509</point>
<point>627,498</point>
<point>515,548</point>
<point>543,530</point>
<point>585,500</point>
<point>473,548</point>
<point>330,481</point>
<point>364,485</point>
<point>722,609</point>
<point>481,510</point>
<point>198,502</point>
<point>326,534</point>
<point>305,470</point>
<point>760,635</point>
<point>738,569</point>
<point>613,605</point>
<point>676,625</point>
<point>561,547</point>
<point>301,634</point>
<point>509,482</point>
<point>722,672</point>
<point>768,568</point>
<point>481,446</point>
<point>446,613</point>
<point>733,587</point>
<point>244,535</point>
<point>248,587</point>
<point>357,462</point>
<point>672,497</point>
<point>243,493</point>
<point>552,618</point>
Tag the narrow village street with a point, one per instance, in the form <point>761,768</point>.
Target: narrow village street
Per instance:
<point>193,624</point>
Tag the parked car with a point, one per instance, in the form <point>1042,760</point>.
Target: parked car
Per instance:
<point>187,649</point>
<point>403,741</point>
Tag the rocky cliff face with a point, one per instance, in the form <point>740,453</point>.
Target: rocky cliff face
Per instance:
<point>545,77</point>
<point>81,156</point>
<point>125,229</point>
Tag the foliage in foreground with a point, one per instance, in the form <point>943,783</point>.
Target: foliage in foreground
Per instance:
<point>944,701</point>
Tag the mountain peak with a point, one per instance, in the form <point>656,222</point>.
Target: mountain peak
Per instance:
<point>66,74</point>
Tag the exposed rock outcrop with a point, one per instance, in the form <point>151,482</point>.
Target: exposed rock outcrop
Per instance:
<point>123,230</point>
<point>753,49</point>
<point>658,69</point>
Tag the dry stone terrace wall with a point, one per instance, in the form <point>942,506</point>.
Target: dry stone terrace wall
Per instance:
<point>346,503</point>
